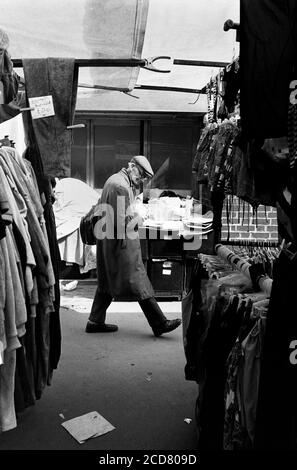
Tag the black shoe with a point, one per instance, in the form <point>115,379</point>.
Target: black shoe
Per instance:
<point>166,327</point>
<point>100,328</point>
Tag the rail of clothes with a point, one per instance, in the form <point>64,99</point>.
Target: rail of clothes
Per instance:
<point>30,333</point>
<point>237,344</point>
<point>225,162</point>
<point>223,92</point>
<point>227,159</point>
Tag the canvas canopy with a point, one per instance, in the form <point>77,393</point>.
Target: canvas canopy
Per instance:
<point>123,29</point>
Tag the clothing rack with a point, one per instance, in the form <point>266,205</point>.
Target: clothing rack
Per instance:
<point>265,283</point>
<point>145,87</point>
<point>232,258</point>
<point>99,62</point>
<point>145,63</point>
<point>252,243</point>
<point>170,88</point>
<point>229,24</point>
<point>200,63</point>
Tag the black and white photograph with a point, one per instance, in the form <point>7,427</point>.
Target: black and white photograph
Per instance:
<point>148,232</point>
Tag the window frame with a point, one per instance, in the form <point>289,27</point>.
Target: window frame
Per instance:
<point>93,119</point>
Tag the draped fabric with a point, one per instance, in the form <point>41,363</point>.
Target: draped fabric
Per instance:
<point>58,78</point>
<point>276,426</point>
<point>268,30</point>
<point>9,85</point>
<point>224,339</point>
<point>30,334</point>
<point>83,29</point>
<point>45,189</point>
<point>268,41</point>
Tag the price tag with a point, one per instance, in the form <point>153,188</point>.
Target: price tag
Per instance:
<point>43,106</point>
<point>167,272</point>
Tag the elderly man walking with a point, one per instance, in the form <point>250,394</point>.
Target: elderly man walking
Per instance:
<point>120,270</point>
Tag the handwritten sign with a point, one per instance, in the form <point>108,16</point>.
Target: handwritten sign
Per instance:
<point>42,106</point>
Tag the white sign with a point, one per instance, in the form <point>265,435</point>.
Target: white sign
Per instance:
<point>42,106</point>
<point>166,272</point>
<point>293,355</point>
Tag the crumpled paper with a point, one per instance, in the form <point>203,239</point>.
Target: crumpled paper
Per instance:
<point>188,420</point>
<point>87,426</point>
<point>70,286</point>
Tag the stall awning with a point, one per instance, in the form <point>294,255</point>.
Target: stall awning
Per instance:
<point>89,29</point>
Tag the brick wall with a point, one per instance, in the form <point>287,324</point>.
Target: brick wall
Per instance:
<point>243,224</point>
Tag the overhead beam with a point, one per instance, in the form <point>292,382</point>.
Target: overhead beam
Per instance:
<point>169,88</point>
<point>200,63</point>
<point>132,63</point>
<point>99,62</point>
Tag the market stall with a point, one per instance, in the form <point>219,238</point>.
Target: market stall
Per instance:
<point>236,140</point>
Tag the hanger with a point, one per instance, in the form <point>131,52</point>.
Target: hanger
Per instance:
<point>251,243</point>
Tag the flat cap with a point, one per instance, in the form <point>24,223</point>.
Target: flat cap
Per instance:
<point>143,162</point>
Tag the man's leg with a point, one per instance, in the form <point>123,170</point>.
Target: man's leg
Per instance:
<point>156,318</point>
<point>96,323</point>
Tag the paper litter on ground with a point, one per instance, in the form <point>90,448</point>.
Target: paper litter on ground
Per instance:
<point>69,286</point>
<point>77,303</point>
<point>88,426</point>
<point>187,420</point>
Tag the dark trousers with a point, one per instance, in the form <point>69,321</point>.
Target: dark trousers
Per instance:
<point>150,308</point>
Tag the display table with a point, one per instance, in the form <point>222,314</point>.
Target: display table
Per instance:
<point>169,251</point>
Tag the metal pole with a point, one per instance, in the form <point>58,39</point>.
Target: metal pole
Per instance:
<point>99,62</point>
<point>131,63</point>
<point>168,88</point>
<point>200,63</point>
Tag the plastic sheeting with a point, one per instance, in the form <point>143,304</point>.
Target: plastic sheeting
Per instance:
<point>84,29</point>
<point>180,29</point>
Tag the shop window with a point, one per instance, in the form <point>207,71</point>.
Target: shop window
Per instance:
<point>79,154</point>
<point>115,144</point>
<point>171,154</point>
<point>106,145</point>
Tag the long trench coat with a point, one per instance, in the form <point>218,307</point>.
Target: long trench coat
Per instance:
<point>120,269</point>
